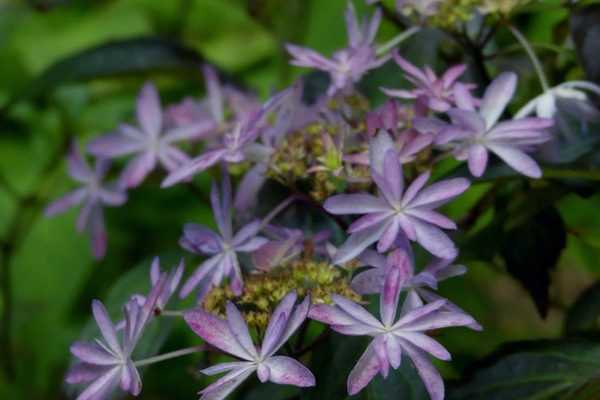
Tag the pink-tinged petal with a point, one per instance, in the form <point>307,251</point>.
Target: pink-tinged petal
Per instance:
<point>364,371</point>
<point>478,159</point>
<point>393,173</point>
<point>194,167</point>
<point>410,68</point>
<point>354,204</point>
<point>452,74</point>
<point>149,113</point>
<point>304,57</point>
<point>378,148</point>
<point>357,242</point>
<point>287,371</point>
<point>397,271</point>
<point>137,169</point>
<point>295,320</point>
<point>106,326</point>
<point>418,313</point>
<point>83,373</point>
<point>440,193</point>
<point>430,376</point>
<point>468,120</point>
<point>101,387</point>
<point>355,310</point>
<point>91,353</point>
<point>415,187</point>
<point>434,240</point>
<point>432,217</point>
<point>393,350</point>
<point>389,235</point>
<point>202,272</point>
<point>331,315</point>
<point>215,95</point>
<point>224,367</point>
<point>216,332</point>
<point>62,204</point>
<point>426,343</point>
<point>381,352</point>
<point>463,97</point>
<point>114,145</point>
<point>497,96</point>
<point>227,384</point>
<point>517,160</point>
<point>239,329</point>
<point>368,282</point>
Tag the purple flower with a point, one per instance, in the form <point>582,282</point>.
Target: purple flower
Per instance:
<point>233,337</point>
<point>475,133</point>
<point>222,248</point>
<point>172,280</point>
<point>93,195</point>
<point>437,93</point>
<point>397,211</point>
<point>421,287</point>
<point>106,363</point>
<point>149,142</point>
<point>347,66</point>
<point>392,336</point>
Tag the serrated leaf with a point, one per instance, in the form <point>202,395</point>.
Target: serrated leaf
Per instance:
<point>537,371</point>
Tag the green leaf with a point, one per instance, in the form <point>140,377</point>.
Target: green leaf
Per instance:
<point>532,249</point>
<point>544,370</point>
<point>585,29</point>
<point>120,57</point>
<point>584,315</point>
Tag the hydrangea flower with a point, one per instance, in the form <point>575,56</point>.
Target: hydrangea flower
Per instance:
<point>392,336</point>
<point>223,248</point>
<point>107,363</point>
<point>475,133</point>
<point>397,211</point>
<point>93,195</point>
<point>421,287</point>
<point>347,66</point>
<point>233,337</point>
<point>150,142</point>
<point>436,92</point>
<point>172,280</point>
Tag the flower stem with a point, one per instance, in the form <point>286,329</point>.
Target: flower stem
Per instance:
<point>396,40</point>
<point>537,66</point>
<point>171,313</point>
<point>168,356</point>
<point>282,206</point>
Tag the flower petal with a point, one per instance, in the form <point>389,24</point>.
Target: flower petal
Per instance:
<point>62,204</point>
<point>478,158</point>
<point>360,203</point>
<point>357,242</point>
<point>497,96</point>
<point>355,311</point>
<point>287,371</point>
<point>195,166</point>
<point>430,376</point>
<point>149,113</point>
<point>91,353</point>
<point>517,160</point>
<point>106,326</point>
<point>364,371</point>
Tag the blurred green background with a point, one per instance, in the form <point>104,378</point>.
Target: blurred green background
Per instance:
<point>56,84</point>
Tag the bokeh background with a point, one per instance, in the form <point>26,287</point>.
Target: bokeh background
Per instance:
<point>71,69</point>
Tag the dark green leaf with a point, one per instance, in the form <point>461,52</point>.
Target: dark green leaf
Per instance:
<point>585,28</point>
<point>532,249</point>
<point>547,370</point>
<point>584,315</point>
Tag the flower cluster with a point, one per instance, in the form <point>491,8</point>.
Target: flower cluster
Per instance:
<point>262,279</point>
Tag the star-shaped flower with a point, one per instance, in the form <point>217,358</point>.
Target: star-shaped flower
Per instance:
<point>93,195</point>
<point>397,211</point>
<point>347,66</point>
<point>150,141</point>
<point>392,336</point>
<point>436,92</point>
<point>475,133</point>
<point>233,337</point>
<point>106,363</point>
<point>223,248</point>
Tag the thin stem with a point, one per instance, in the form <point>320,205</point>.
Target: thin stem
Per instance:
<point>396,40</point>
<point>168,356</point>
<point>282,206</point>
<point>537,66</point>
<point>171,313</point>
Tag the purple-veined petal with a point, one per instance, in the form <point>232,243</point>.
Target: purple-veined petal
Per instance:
<point>246,232</point>
<point>195,166</point>
<point>201,239</point>
<point>216,332</point>
<point>381,353</point>
<point>287,371</point>
<point>429,375</point>
<point>425,343</point>
<point>393,173</point>
<point>393,350</point>
<point>273,335</point>
<point>355,310</point>
<point>192,131</point>
<point>357,242</point>
<point>115,145</point>
<point>432,217</point>
<point>239,329</point>
<point>102,386</point>
<point>414,188</point>
<point>67,201</point>
<point>354,330</point>
<point>439,319</point>
<point>91,353</point>
<point>354,204</point>
<point>478,159</point>
<point>149,113</point>
<point>434,240</point>
<point>202,272</point>
<point>524,124</point>
<point>106,326</point>
<point>369,220</point>
<point>410,68</point>
<point>418,313</point>
<point>227,384</point>
<point>430,296</point>
<point>368,282</point>
<point>83,373</point>
<point>440,193</point>
<point>389,235</point>
<point>224,367</point>
<point>517,160</point>
<point>397,271</point>
<point>364,371</point>
<point>497,96</point>
<point>252,244</point>
<point>468,120</point>
<point>295,320</point>
<point>130,379</point>
<point>331,315</point>
<point>304,57</point>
